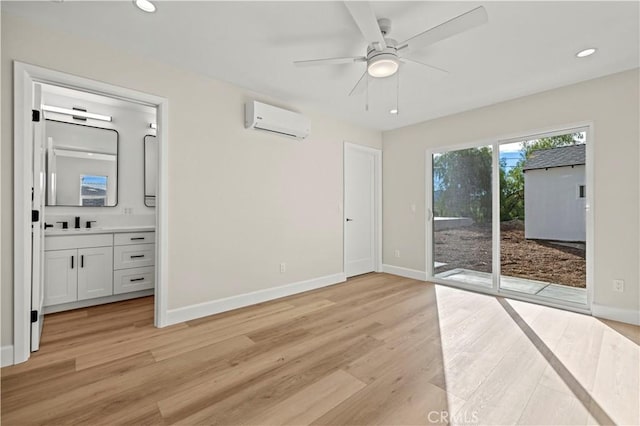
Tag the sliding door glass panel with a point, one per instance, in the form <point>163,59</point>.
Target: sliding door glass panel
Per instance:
<point>543,217</point>
<point>462,211</point>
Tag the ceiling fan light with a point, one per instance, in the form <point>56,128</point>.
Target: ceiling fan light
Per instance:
<point>145,5</point>
<point>383,66</point>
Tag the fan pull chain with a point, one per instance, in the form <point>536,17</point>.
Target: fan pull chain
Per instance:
<point>398,93</point>
<point>366,105</point>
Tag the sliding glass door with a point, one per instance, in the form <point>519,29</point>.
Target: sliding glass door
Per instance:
<point>543,216</point>
<point>511,217</point>
<point>462,216</point>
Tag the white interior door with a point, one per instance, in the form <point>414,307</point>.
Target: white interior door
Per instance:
<point>359,208</point>
<point>37,227</point>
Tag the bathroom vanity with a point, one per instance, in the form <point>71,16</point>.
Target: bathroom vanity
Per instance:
<point>85,267</point>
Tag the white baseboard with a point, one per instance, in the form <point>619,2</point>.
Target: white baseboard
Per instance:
<point>6,355</point>
<point>200,310</point>
<point>405,272</point>
<point>630,316</point>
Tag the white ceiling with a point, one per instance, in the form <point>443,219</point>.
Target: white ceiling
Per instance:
<point>526,47</point>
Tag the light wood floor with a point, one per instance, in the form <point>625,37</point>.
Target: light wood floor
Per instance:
<point>378,349</point>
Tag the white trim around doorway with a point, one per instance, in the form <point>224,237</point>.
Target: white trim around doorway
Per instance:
<point>24,77</point>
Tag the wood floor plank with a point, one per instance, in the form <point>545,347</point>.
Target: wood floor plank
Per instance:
<point>313,401</point>
<point>378,349</point>
<point>200,394</point>
<point>46,388</point>
<point>259,392</point>
<point>401,383</point>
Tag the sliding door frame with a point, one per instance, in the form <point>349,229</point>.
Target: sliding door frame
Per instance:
<point>495,143</point>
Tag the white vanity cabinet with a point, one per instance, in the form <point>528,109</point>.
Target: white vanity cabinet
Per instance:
<point>134,260</point>
<point>77,267</point>
<point>86,269</point>
<point>95,272</point>
<point>61,277</point>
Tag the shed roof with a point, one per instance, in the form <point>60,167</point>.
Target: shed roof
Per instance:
<point>571,155</point>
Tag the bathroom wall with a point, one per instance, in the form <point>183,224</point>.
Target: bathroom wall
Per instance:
<point>131,122</point>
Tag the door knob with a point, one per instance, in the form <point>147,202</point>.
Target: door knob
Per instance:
<point>349,220</point>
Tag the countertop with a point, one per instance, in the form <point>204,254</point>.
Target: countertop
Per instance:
<point>98,230</point>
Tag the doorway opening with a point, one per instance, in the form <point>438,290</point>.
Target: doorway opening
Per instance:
<point>77,239</point>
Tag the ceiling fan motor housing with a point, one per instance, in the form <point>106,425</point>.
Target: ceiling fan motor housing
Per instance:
<point>383,63</point>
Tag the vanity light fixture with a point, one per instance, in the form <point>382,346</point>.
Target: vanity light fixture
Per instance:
<point>586,52</point>
<point>145,6</point>
<point>76,113</point>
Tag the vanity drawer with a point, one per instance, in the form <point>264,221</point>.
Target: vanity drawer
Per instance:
<point>136,279</point>
<point>131,238</point>
<point>134,256</point>
<point>65,242</point>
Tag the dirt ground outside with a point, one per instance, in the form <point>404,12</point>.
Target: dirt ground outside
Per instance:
<point>470,248</point>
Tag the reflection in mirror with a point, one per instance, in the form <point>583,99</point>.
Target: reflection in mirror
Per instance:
<point>150,170</point>
<point>82,165</point>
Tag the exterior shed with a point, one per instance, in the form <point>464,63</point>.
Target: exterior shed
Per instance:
<point>555,194</point>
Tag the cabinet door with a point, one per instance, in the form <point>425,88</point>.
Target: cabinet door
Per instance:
<point>95,272</point>
<point>60,277</point>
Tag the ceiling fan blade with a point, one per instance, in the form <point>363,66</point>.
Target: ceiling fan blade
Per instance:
<point>413,61</point>
<point>366,20</point>
<point>457,25</point>
<point>359,85</point>
<point>329,61</point>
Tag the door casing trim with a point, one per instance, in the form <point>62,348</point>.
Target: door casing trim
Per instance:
<point>23,77</point>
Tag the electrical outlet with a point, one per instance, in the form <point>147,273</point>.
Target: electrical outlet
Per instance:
<point>618,285</point>
<point>283,268</point>
<point>397,253</point>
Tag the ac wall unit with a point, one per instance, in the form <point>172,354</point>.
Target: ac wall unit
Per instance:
<point>261,116</point>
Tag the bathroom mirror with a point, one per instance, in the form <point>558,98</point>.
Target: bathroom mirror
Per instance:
<point>150,170</point>
<point>82,165</point>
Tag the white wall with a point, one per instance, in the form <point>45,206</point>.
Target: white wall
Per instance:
<point>241,202</point>
<point>611,103</point>
<point>552,206</point>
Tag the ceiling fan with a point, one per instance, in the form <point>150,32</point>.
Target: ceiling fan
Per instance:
<point>383,56</point>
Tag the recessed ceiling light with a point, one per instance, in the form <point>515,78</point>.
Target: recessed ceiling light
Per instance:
<point>393,111</point>
<point>586,52</point>
<point>145,5</point>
